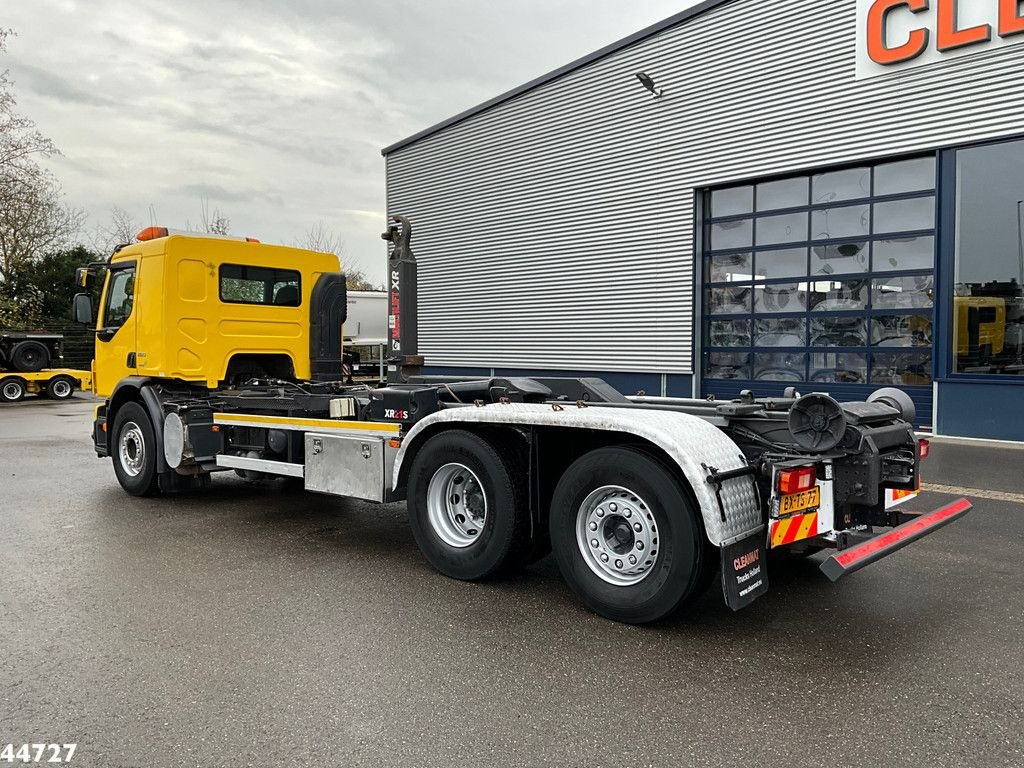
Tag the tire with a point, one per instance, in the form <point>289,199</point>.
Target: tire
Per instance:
<point>29,357</point>
<point>647,562</point>
<point>12,389</point>
<point>134,450</point>
<point>476,533</point>
<point>60,388</point>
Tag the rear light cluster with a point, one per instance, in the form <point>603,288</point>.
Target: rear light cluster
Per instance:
<point>797,480</point>
<point>923,448</point>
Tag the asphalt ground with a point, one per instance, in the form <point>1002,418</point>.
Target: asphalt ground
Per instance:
<point>258,627</point>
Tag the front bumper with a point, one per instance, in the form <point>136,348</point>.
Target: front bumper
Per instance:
<point>99,431</point>
<point>871,550</point>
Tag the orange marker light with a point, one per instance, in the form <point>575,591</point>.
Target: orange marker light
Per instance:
<point>395,443</point>
<point>151,233</point>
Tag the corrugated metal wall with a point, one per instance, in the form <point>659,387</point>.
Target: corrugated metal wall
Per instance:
<point>557,229</point>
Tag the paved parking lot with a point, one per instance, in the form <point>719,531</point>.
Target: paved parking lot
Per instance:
<point>256,627</point>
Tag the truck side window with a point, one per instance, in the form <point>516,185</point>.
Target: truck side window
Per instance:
<point>260,285</point>
<point>120,296</point>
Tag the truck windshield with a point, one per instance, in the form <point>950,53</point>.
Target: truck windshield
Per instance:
<point>120,295</point>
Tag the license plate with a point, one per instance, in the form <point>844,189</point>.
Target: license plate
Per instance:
<point>797,502</point>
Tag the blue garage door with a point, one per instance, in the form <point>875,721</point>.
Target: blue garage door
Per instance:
<point>822,281</point>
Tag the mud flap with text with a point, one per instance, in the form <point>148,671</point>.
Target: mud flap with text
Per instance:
<point>744,571</point>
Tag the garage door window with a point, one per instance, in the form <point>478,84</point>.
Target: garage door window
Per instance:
<point>822,277</point>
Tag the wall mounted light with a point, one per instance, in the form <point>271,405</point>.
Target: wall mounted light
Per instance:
<point>648,82</point>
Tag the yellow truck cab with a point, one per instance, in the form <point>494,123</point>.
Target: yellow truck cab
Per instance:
<point>207,309</point>
<point>186,315</point>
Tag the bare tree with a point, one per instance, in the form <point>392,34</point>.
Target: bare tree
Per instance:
<point>119,230</point>
<point>215,222</point>
<point>323,239</point>
<point>33,220</point>
<point>20,142</point>
<point>356,280</point>
<point>33,217</point>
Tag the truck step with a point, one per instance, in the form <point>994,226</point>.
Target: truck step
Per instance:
<point>261,465</point>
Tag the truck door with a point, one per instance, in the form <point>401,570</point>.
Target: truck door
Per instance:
<point>115,334</point>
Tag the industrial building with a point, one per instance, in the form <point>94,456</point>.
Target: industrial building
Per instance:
<point>752,194</point>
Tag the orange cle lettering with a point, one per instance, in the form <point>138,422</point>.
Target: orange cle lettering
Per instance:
<point>879,49</point>
<point>950,37</point>
<point>1010,21</point>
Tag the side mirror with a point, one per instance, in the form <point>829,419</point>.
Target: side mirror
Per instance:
<point>84,278</point>
<point>81,308</point>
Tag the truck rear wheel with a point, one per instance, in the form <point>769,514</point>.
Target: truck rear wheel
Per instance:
<point>467,507</point>
<point>60,388</point>
<point>12,389</point>
<point>29,357</point>
<point>626,536</point>
<point>133,450</point>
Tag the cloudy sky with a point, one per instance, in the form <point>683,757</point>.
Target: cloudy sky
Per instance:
<point>275,111</point>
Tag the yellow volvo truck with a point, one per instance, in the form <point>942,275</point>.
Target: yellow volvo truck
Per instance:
<point>218,354</point>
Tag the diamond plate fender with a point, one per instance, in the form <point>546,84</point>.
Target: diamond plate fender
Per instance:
<point>689,440</point>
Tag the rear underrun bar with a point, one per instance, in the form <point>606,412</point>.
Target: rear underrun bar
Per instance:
<point>856,557</point>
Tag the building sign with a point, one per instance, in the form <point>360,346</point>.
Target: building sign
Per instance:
<point>893,35</point>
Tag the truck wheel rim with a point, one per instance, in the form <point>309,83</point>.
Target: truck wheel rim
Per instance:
<point>617,535</point>
<point>12,390</point>
<point>456,505</point>
<point>60,389</point>
<point>132,449</point>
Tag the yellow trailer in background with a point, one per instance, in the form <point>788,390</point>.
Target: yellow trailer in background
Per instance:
<point>54,383</point>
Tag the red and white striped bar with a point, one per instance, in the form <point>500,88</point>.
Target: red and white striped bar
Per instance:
<point>856,557</point>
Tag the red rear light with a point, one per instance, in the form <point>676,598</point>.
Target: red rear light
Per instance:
<point>924,447</point>
<point>797,480</point>
<point>251,240</point>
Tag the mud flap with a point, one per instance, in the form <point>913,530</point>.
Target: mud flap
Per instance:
<point>744,570</point>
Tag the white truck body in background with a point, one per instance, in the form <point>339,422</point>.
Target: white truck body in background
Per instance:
<point>367,322</point>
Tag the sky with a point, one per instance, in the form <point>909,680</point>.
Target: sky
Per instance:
<point>275,112</point>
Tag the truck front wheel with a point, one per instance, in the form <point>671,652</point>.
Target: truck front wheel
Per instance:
<point>626,537</point>
<point>133,450</point>
<point>467,507</point>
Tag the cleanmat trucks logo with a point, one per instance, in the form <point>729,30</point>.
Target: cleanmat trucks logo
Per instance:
<point>893,35</point>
